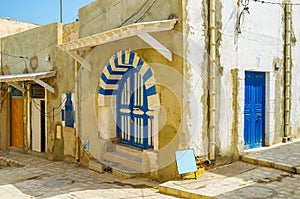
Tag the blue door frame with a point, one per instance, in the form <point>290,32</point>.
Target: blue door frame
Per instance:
<point>134,124</point>
<point>254,110</point>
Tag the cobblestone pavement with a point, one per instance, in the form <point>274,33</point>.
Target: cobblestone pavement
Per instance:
<point>238,180</point>
<point>267,183</point>
<point>41,178</point>
<point>279,179</point>
<point>283,156</point>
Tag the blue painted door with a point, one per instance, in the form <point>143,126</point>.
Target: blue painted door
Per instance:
<point>134,119</point>
<point>254,110</point>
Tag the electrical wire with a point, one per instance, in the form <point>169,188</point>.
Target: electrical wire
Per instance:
<point>276,3</point>
<point>101,13</point>
<point>24,58</point>
<point>53,113</point>
<point>143,16</point>
<point>245,2</point>
<point>50,113</point>
<point>15,56</point>
<point>135,13</point>
<point>238,28</point>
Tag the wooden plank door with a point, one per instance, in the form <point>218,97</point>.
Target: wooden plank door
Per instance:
<point>17,122</point>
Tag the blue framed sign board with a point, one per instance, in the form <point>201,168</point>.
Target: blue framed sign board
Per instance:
<point>186,162</point>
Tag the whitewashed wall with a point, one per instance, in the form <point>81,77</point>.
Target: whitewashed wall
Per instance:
<point>295,113</point>
<point>195,74</point>
<point>256,48</point>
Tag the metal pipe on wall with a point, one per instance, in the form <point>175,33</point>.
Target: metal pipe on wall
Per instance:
<point>212,77</point>
<point>77,142</point>
<point>287,72</point>
<point>28,143</point>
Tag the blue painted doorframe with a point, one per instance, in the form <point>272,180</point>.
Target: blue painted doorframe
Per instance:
<point>254,110</point>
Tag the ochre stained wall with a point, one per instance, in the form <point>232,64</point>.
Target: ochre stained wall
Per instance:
<point>37,44</point>
<point>10,26</point>
<point>101,16</point>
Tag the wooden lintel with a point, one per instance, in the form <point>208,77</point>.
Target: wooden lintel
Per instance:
<point>45,85</point>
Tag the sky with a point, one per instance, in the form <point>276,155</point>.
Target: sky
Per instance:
<point>41,11</point>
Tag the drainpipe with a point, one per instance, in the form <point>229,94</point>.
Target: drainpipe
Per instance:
<point>28,143</point>
<point>212,77</point>
<point>287,72</point>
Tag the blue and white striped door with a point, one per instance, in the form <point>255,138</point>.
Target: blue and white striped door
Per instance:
<point>134,119</point>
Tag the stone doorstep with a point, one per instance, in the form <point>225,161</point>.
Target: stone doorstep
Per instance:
<point>181,193</point>
<point>116,169</point>
<point>122,159</point>
<point>288,168</point>
<point>206,186</point>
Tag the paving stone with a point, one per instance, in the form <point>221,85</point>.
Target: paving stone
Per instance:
<point>41,178</point>
<point>256,182</point>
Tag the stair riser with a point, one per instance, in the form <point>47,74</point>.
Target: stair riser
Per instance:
<point>124,161</point>
<point>129,152</point>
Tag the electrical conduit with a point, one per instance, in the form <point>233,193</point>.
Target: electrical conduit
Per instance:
<point>212,77</point>
<point>287,72</point>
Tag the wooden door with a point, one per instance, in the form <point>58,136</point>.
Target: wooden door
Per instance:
<point>38,137</point>
<point>134,119</point>
<point>17,122</point>
<point>254,110</point>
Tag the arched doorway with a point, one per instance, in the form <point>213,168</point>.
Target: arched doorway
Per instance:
<point>131,81</point>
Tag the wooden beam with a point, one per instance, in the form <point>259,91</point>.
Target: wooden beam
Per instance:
<point>118,34</point>
<point>17,86</point>
<point>156,45</point>
<point>45,85</point>
<point>80,59</point>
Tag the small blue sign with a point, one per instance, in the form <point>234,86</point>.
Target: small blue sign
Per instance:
<point>186,162</point>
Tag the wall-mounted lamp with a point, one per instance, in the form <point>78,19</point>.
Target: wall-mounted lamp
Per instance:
<point>277,65</point>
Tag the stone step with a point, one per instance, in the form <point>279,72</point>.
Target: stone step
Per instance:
<point>128,161</point>
<point>117,169</point>
<point>129,151</point>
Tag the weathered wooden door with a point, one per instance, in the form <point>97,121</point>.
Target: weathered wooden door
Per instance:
<point>17,122</point>
<point>254,110</point>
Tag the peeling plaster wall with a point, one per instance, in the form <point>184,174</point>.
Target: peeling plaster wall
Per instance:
<point>94,120</point>
<point>10,26</point>
<point>227,80</point>
<point>295,113</point>
<point>195,75</point>
<point>170,132</point>
<point>64,82</point>
<point>37,42</point>
<point>40,42</point>
<point>4,118</point>
<point>103,15</point>
<point>258,46</point>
